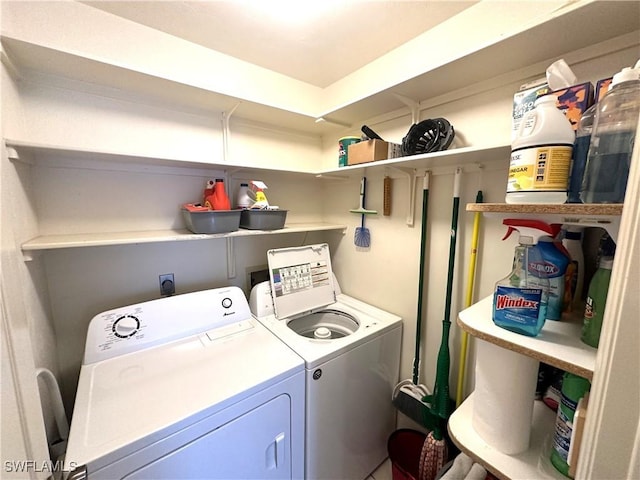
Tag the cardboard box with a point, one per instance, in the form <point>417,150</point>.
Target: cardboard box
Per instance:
<point>573,101</point>
<point>602,87</point>
<point>372,151</point>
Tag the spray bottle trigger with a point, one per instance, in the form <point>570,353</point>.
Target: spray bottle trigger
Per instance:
<point>509,232</point>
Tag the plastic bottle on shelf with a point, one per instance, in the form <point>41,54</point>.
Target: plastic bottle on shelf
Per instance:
<point>219,199</point>
<point>343,149</point>
<point>572,241</point>
<point>579,155</point>
<point>208,191</point>
<point>556,259</point>
<point>573,389</point>
<point>243,200</point>
<point>614,131</point>
<point>541,155</point>
<point>520,299</point>
<point>596,302</point>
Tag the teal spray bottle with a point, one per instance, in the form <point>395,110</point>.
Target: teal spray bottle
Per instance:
<point>556,262</point>
<point>520,299</point>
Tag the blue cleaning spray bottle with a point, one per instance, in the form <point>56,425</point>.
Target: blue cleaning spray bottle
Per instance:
<point>556,260</point>
<point>520,300</point>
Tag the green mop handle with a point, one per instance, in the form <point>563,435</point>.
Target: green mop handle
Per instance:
<point>441,387</point>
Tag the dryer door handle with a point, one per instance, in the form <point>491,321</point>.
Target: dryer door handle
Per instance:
<point>276,452</point>
<point>280,453</point>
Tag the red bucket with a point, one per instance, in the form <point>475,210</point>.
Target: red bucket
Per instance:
<point>404,447</point>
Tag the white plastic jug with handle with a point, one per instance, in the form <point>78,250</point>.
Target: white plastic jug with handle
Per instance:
<point>541,155</point>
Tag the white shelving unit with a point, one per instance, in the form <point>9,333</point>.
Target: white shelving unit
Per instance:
<point>469,157</point>
<point>533,463</point>
<point>52,242</point>
<point>39,154</point>
<point>558,344</point>
<point>466,156</point>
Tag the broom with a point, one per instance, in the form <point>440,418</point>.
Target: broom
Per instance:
<point>408,396</point>
<point>362,237</point>
<point>468,301</point>
<point>434,451</point>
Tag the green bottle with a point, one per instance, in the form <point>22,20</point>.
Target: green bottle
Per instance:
<point>573,389</point>
<point>596,302</point>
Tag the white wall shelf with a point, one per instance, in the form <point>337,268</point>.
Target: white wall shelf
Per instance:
<point>532,463</point>
<point>52,242</point>
<point>60,155</point>
<point>69,156</point>
<point>558,343</point>
<point>475,157</point>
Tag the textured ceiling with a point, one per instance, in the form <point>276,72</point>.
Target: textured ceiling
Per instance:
<point>318,42</point>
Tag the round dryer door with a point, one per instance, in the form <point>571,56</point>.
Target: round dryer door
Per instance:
<point>324,325</point>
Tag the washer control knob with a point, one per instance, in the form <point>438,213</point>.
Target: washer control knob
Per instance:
<point>226,302</point>
<point>126,326</point>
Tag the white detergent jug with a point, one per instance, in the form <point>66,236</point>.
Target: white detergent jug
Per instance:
<point>541,156</point>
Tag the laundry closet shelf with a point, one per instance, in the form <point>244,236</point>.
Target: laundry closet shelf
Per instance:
<point>448,160</point>
<point>64,156</point>
<point>572,211</point>
<point>53,242</point>
<point>603,215</point>
<point>532,463</point>
<point>558,343</point>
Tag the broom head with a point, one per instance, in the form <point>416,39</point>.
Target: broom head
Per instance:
<point>411,402</point>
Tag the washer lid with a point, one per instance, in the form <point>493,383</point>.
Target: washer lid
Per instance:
<point>301,279</point>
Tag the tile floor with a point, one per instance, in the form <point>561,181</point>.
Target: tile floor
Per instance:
<point>383,472</point>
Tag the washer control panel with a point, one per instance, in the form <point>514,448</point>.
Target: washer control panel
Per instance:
<point>144,325</point>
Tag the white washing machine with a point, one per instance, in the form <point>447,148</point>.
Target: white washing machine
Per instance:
<point>352,359</point>
<point>187,387</point>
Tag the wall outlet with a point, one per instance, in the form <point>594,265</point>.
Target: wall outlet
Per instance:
<point>167,285</point>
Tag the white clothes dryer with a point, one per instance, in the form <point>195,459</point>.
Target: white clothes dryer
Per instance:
<point>352,358</point>
<point>187,387</point>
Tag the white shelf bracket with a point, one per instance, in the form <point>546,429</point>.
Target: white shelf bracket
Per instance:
<point>31,255</point>
<point>12,154</point>
<point>231,258</point>
<point>413,106</point>
<point>14,71</point>
<point>411,179</point>
<point>324,176</point>
<point>335,123</point>
<point>226,116</point>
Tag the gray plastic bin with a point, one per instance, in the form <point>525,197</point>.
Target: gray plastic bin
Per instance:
<point>263,219</point>
<point>214,221</point>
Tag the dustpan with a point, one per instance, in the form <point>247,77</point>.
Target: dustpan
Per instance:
<point>362,237</point>
<point>409,396</point>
